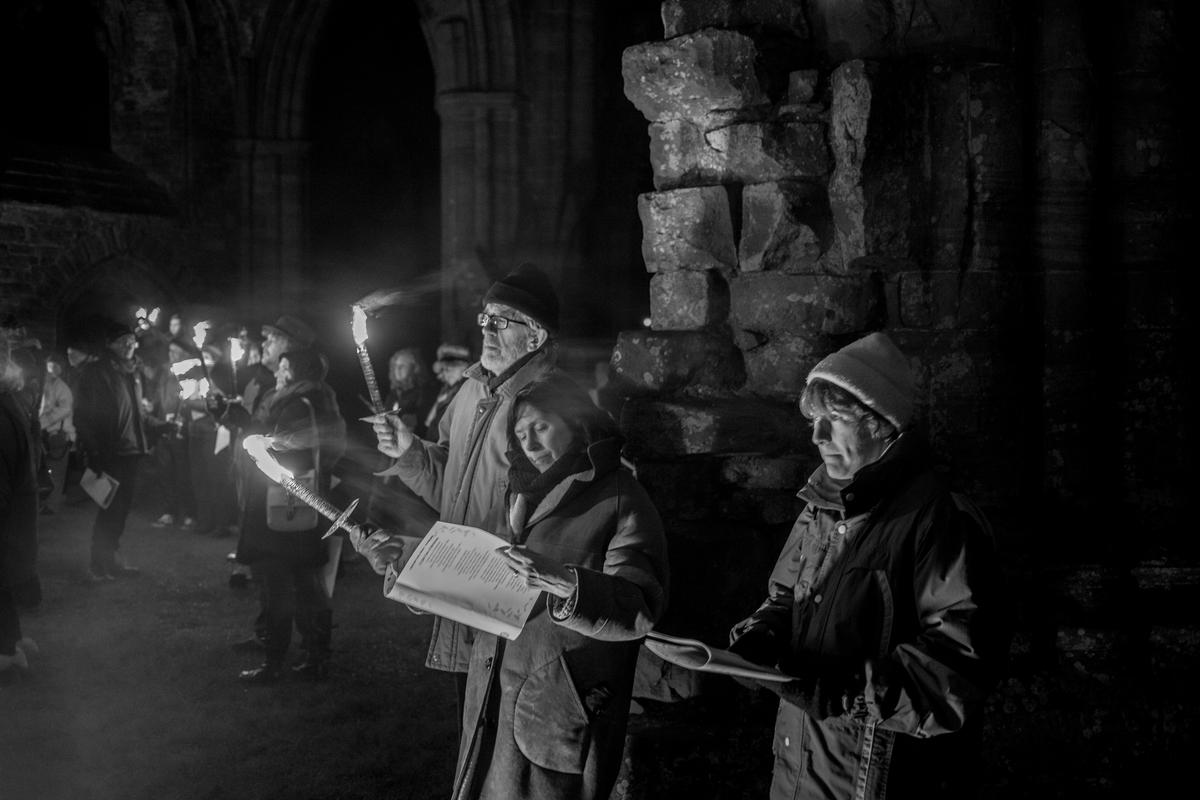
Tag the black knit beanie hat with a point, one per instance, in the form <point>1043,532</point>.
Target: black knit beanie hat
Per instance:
<point>527,289</point>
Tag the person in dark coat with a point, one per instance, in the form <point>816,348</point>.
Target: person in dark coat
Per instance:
<point>288,333</point>
<point>111,434</point>
<point>546,713</point>
<point>305,425</point>
<point>18,515</point>
<point>882,603</point>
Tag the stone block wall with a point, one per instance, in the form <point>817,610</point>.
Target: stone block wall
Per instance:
<point>49,255</point>
<point>796,211</point>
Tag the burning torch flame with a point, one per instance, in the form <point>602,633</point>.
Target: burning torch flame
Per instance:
<point>235,349</point>
<point>190,388</point>
<point>257,446</point>
<point>154,316</point>
<point>359,324</point>
<point>182,366</point>
<point>199,332</point>
<point>140,313</point>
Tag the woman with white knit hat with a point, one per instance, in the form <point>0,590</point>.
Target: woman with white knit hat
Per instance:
<point>881,603</point>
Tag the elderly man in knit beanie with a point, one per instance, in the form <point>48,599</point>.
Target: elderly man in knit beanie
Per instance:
<point>463,470</point>
<point>881,605</point>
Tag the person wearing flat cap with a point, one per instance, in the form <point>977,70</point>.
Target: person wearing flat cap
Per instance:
<point>462,473</point>
<point>881,605</point>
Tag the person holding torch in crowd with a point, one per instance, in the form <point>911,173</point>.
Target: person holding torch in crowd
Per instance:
<point>281,539</point>
<point>462,471</point>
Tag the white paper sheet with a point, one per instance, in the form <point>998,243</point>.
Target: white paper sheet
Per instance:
<point>455,572</point>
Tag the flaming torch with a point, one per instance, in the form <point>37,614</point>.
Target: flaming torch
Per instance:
<point>360,340</point>
<point>257,447</point>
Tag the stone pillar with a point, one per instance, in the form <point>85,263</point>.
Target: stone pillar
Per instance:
<point>274,178</point>
<point>480,198</point>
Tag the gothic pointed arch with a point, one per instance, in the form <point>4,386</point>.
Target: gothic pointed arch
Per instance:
<point>283,57</point>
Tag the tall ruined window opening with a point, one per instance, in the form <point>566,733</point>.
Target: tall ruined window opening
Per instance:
<point>375,165</point>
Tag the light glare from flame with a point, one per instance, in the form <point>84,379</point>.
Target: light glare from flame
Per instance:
<point>235,349</point>
<point>140,313</point>
<point>359,324</point>
<point>257,447</point>
<point>154,316</point>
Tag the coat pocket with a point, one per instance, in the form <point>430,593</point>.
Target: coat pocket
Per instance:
<point>550,724</point>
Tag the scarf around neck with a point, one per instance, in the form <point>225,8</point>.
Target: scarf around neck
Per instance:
<point>523,477</point>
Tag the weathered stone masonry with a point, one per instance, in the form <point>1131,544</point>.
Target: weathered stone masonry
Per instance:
<point>936,170</point>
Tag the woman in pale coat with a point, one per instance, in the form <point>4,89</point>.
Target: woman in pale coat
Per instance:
<point>545,714</point>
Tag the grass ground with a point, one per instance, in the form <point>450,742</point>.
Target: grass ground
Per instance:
<point>134,693</point>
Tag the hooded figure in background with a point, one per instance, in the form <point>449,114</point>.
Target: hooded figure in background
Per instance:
<point>546,713</point>
<point>882,603</point>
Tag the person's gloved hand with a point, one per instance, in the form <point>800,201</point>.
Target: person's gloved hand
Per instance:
<point>820,698</point>
<point>380,549</point>
<point>758,644</point>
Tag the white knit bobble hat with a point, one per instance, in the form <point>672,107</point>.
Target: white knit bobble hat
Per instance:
<point>875,371</point>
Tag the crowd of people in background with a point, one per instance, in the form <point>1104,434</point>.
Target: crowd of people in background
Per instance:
<point>880,612</point>
<point>161,411</point>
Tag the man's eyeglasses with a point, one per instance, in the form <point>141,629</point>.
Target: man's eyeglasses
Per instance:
<point>496,322</point>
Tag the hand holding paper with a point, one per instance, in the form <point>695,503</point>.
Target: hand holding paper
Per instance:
<point>457,572</point>
<point>100,486</point>
<point>697,655</point>
<point>539,571</point>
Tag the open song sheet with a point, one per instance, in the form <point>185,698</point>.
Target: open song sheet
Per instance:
<point>457,573</point>
<point>694,654</point>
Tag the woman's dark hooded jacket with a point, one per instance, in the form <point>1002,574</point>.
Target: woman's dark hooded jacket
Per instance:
<point>545,714</point>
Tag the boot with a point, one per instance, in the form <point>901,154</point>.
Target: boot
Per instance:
<point>312,667</point>
<point>118,568</point>
<point>265,674</point>
<point>318,630</point>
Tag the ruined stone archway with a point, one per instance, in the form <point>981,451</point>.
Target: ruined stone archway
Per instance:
<point>117,265</point>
